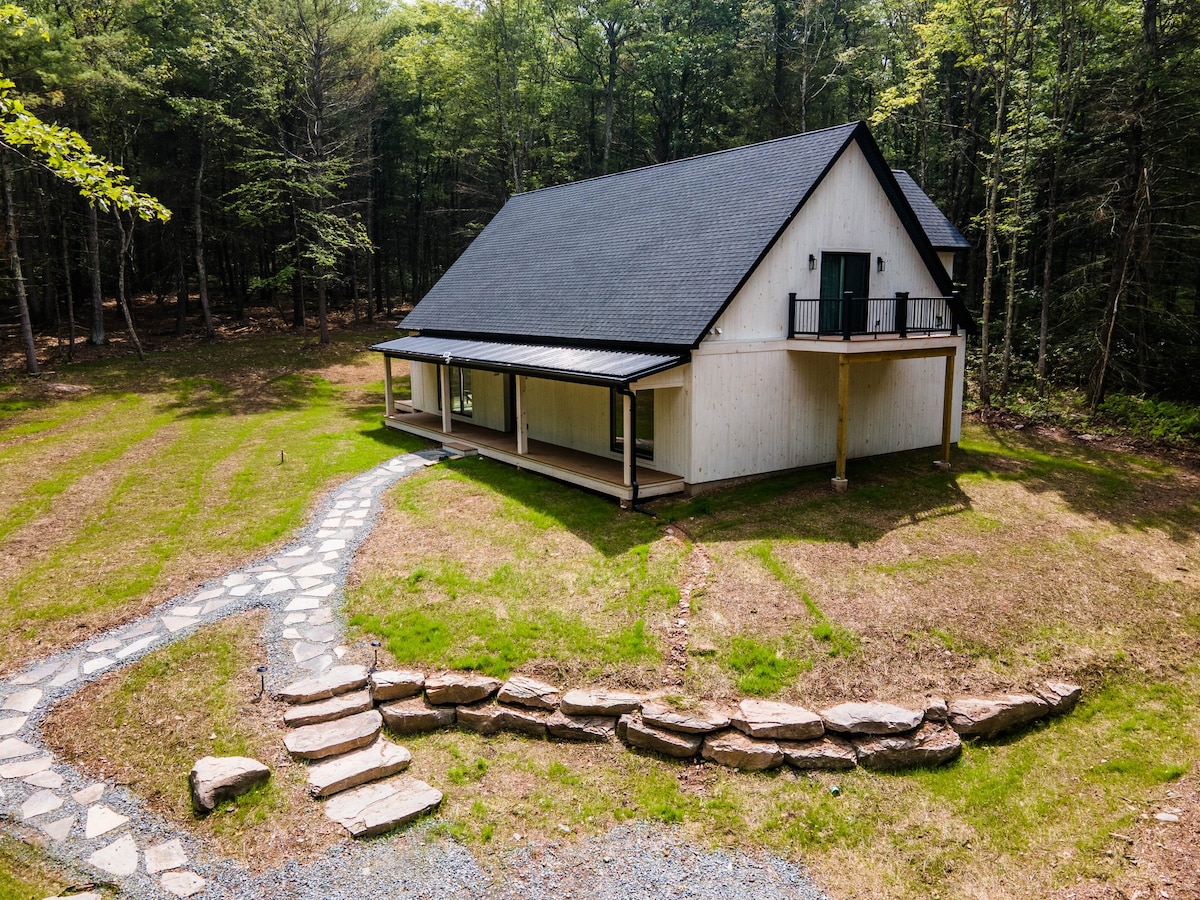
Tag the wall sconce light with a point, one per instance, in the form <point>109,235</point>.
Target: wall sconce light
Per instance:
<point>880,265</point>
<point>812,262</point>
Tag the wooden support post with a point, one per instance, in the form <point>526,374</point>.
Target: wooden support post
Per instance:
<point>388,402</point>
<point>522,425</point>
<point>444,387</point>
<point>947,411</point>
<point>627,439</point>
<point>839,479</point>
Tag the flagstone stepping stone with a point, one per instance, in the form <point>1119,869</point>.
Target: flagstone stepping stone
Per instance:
<point>205,596</point>
<point>22,701</point>
<point>213,605</point>
<point>290,634</point>
<point>454,688</point>
<point>51,780</point>
<point>59,829</point>
<point>136,647</point>
<point>11,748</point>
<point>415,716</point>
<point>177,623</point>
<point>827,752</point>
<point>69,673</point>
<point>929,745</point>
<point>300,604</point>
<point>382,806</point>
<point>271,574</point>
<point>303,651</point>
<point>321,590</point>
<point>40,803</point>
<point>278,586</point>
<point>595,729</point>
<point>241,590</point>
<point>26,767</point>
<point>216,778</point>
<point>332,738</point>
<point>641,734</point>
<point>164,856</point>
<point>188,611</point>
<point>489,719</point>
<point>300,551</point>
<point>321,616</point>
<point>871,718</point>
<point>702,720</point>
<point>102,820</point>
<point>103,646</point>
<point>985,717</point>
<point>599,703</point>
<point>396,684</point>
<point>12,725</point>
<point>380,760</point>
<point>95,665</point>
<point>322,634</point>
<point>327,710</point>
<point>295,618</point>
<point>88,795</point>
<point>738,751</point>
<point>333,544</point>
<point>317,664</point>
<point>522,691</point>
<point>1061,696</point>
<point>315,570</point>
<point>182,884</point>
<point>338,680</point>
<point>139,629</point>
<point>768,719</point>
<point>33,676</point>
<point>234,580</point>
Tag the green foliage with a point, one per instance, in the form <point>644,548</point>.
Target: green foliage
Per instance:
<point>1156,420</point>
<point>760,669</point>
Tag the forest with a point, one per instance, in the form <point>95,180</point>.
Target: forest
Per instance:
<point>316,156</point>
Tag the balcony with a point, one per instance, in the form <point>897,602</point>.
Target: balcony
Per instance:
<point>850,317</point>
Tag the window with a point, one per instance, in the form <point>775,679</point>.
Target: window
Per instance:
<point>644,423</point>
<point>462,402</point>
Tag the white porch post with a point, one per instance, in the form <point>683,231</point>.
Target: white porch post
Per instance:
<point>389,405</point>
<point>444,387</point>
<point>627,442</point>
<point>522,425</point>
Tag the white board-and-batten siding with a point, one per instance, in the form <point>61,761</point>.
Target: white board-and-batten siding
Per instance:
<point>489,391</point>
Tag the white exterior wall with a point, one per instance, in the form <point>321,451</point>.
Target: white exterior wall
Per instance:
<point>424,381</point>
<point>489,392</point>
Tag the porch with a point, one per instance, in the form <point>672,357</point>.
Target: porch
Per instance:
<point>596,473</point>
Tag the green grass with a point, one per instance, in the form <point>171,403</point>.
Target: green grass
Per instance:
<point>760,669</point>
<point>837,639</point>
<point>26,875</point>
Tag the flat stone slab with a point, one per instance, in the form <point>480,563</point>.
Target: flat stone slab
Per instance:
<point>768,719</point>
<point>182,884</point>
<point>101,820</point>
<point>89,795</point>
<point>164,856</point>
<point>871,718</point>
<point>415,716</point>
<point>984,717</point>
<point>45,779</point>
<point>338,680</point>
<point>641,734</point>
<point>452,688</point>
<point>12,724</point>
<point>40,803</point>
<point>118,858</point>
<point>491,718</point>
<point>382,806</point>
<point>12,748</point>
<point>332,738</point>
<point>599,703</point>
<point>380,760</point>
<point>827,752</point>
<point>527,692</point>
<point>217,778</point>
<point>595,729</point>
<point>59,829</point>
<point>26,767</point>
<point>396,684</point>
<point>1061,696</point>
<point>22,701</point>
<point>702,720</point>
<point>739,751</point>
<point>328,710</point>
<point>929,745</point>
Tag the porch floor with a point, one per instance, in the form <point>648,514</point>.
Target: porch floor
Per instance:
<point>605,476</point>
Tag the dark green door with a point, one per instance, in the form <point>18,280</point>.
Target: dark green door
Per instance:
<point>841,272</point>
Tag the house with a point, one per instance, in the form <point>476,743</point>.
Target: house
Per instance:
<point>766,308</point>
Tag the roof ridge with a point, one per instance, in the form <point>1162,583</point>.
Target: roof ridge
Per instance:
<point>674,162</point>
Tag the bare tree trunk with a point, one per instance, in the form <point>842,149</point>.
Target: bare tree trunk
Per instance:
<point>66,261</point>
<point>122,301</point>
<point>98,336</point>
<point>201,273</point>
<point>181,292</point>
<point>14,261</point>
<point>322,319</point>
<point>993,192</point>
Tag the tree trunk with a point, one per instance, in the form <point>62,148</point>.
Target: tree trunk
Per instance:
<point>122,301</point>
<point>181,292</point>
<point>198,220</point>
<point>322,319</point>
<point>98,336</point>
<point>66,262</point>
<point>14,261</point>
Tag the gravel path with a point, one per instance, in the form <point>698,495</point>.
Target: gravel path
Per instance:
<point>105,830</point>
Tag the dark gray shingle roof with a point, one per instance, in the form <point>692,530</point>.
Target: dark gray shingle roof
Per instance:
<point>940,230</point>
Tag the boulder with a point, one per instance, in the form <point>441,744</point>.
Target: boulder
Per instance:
<point>639,733</point>
<point>327,710</point>
<point>623,725</point>
<point>871,718</point>
<point>936,710</point>
<point>522,691</point>
<point>702,720</point>
<point>330,683</point>
<point>826,752</point>
<point>217,778</point>
<point>416,716</point>
<point>379,760</point>
<point>598,729</point>
<point>1061,696</point>
<point>599,703</point>
<point>767,719</point>
<point>985,717</point>
<point>383,805</point>
<point>332,738</point>
<point>929,745</point>
<point>396,685</point>
<point>453,689</point>
<point>491,718</point>
<point>736,750</point>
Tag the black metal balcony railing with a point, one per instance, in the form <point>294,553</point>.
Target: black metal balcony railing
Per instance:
<point>849,316</point>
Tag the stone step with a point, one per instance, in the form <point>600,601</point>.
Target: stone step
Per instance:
<point>332,738</point>
<point>783,721</point>
<point>338,680</point>
<point>639,733</point>
<point>328,710</point>
<point>375,808</point>
<point>451,688</point>
<point>396,685</point>
<point>380,760</point>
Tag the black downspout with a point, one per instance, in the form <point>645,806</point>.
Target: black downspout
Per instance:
<point>632,439</point>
